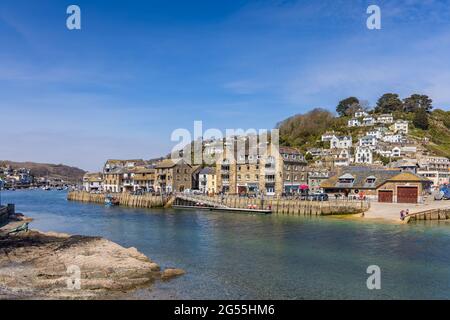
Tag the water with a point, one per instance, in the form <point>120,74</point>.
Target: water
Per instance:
<point>238,256</point>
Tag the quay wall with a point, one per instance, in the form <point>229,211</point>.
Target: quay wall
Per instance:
<point>277,205</point>
<point>297,207</point>
<point>125,199</point>
<point>430,215</point>
<point>4,213</point>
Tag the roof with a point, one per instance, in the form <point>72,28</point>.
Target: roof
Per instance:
<point>408,177</point>
<point>208,170</point>
<point>169,163</point>
<point>360,175</point>
<point>289,150</point>
<point>142,169</point>
<point>93,176</point>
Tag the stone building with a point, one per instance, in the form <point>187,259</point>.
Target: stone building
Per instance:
<point>143,178</point>
<point>269,171</point>
<point>378,184</point>
<point>173,176</point>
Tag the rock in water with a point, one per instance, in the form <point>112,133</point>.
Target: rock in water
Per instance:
<point>58,266</point>
<point>172,273</point>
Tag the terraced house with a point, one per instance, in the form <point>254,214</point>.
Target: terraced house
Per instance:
<point>116,174</point>
<point>93,182</point>
<point>143,178</point>
<point>173,176</point>
<point>269,171</point>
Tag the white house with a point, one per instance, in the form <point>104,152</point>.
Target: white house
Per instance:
<point>353,123</point>
<point>385,119</point>
<point>393,138</point>
<point>368,141</point>
<point>401,126</point>
<point>327,136</point>
<point>375,133</point>
<point>341,142</point>
<point>396,152</point>
<point>368,121</point>
<point>341,162</point>
<point>93,182</point>
<point>408,149</point>
<point>363,155</point>
<point>360,114</point>
<point>206,178</point>
<point>437,177</point>
<point>433,163</point>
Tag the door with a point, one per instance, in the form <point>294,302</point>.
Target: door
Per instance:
<point>407,194</point>
<point>385,196</point>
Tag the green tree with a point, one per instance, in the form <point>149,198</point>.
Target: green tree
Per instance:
<point>417,101</point>
<point>346,104</point>
<point>308,157</point>
<point>389,102</point>
<point>421,119</point>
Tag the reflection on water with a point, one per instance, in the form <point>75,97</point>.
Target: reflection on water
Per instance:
<point>234,256</point>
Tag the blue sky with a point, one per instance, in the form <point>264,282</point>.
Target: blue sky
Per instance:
<point>140,69</point>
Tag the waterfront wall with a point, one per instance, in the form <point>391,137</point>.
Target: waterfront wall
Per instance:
<point>4,213</point>
<point>277,205</point>
<point>429,215</point>
<point>144,201</point>
<point>296,207</point>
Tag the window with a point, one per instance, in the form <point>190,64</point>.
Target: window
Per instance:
<point>371,180</point>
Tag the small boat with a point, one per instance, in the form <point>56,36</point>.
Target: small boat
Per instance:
<point>111,201</point>
<point>46,188</point>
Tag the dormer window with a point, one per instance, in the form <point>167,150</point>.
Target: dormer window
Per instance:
<point>371,180</point>
<point>346,178</point>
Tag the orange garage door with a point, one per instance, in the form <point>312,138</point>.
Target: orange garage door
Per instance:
<point>385,196</point>
<point>407,194</point>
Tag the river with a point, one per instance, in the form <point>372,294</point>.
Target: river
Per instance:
<point>239,256</point>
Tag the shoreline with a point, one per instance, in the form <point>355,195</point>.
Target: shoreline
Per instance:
<point>38,265</point>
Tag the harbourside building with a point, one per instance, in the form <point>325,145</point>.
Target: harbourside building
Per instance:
<point>382,185</point>
<point>270,172</point>
<point>207,180</point>
<point>143,178</point>
<point>173,176</point>
<point>93,182</point>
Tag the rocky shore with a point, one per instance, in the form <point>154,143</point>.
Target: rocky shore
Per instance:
<point>36,265</point>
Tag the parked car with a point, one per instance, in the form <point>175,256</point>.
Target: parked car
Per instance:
<point>319,197</point>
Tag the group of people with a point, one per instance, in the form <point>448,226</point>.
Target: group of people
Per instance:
<point>403,214</point>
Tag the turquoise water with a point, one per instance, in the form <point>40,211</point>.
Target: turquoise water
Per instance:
<point>237,256</point>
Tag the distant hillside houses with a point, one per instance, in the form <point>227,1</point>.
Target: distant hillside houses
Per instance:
<point>379,138</point>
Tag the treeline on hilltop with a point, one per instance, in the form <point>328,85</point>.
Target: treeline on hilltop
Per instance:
<point>304,130</point>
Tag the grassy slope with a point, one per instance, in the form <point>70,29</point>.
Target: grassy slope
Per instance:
<point>54,171</point>
<point>438,133</point>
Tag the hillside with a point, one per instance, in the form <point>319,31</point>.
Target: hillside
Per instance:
<point>52,171</point>
<point>304,130</point>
